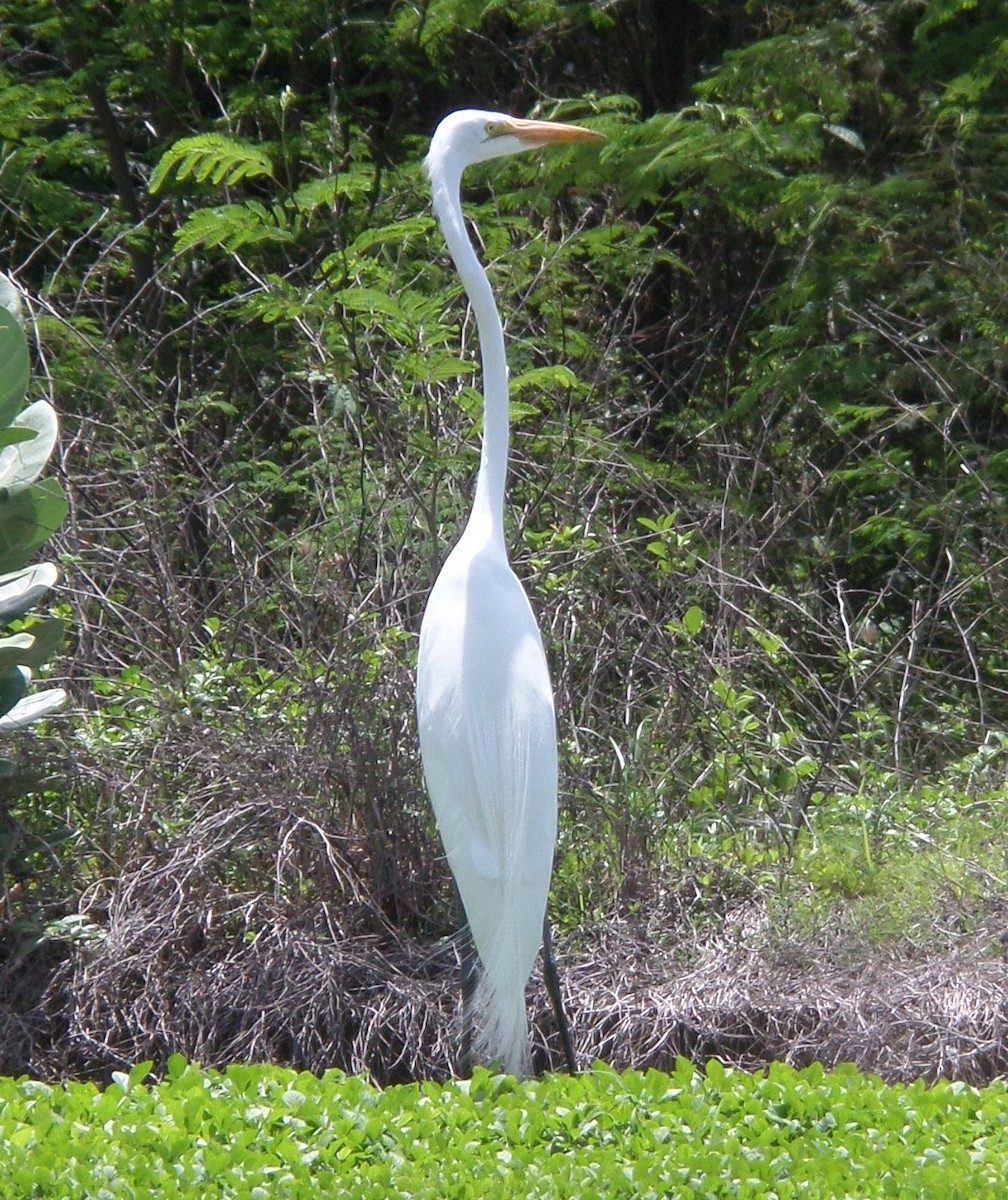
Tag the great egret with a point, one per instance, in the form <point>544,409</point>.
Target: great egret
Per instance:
<point>484,699</point>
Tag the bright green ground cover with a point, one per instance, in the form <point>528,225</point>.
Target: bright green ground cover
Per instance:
<point>264,1132</point>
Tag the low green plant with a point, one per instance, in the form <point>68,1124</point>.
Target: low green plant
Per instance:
<point>262,1131</point>
<point>913,871</point>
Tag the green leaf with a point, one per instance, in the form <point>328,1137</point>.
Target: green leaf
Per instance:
<point>546,379</point>
<point>13,685</point>
<point>519,413</point>
<point>318,192</point>
<point>370,301</point>
<point>27,520</point>
<point>396,233</point>
<point>437,368</point>
<point>47,638</point>
<point>770,642</point>
<point>693,620</point>
<point>234,226</point>
<point>211,157</point>
<point>20,589</point>
<point>13,436</point>
<point>14,368</point>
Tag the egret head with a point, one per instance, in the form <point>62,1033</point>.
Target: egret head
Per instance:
<point>473,136</point>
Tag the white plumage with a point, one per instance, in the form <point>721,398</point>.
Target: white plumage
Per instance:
<point>484,700</point>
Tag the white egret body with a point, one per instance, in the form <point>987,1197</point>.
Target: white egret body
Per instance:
<point>484,699</point>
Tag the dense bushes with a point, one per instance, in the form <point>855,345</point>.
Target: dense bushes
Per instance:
<point>756,349</point>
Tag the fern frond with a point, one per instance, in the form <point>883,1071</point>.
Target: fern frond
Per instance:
<point>234,226</point>
<point>319,193</point>
<point>211,157</point>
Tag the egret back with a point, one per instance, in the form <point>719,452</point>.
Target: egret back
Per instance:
<point>488,743</point>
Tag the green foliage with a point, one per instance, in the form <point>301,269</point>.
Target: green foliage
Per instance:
<point>220,690</point>
<point>759,456</point>
<point>211,158</point>
<point>28,518</point>
<point>260,1131</point>
<point>837,351</point>
<point>30,512</point>
<point>13,366</point>
<point>443,21</point>
<point>904,870</point>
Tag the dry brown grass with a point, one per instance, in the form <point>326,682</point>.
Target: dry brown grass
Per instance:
<point>189,966</point>
<point>942,1018</point>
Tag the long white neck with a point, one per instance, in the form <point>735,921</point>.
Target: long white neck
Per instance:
<point>488,504</point>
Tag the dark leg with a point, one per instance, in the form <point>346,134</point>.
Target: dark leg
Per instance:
<point>553,987</point>
<point>469,958</point>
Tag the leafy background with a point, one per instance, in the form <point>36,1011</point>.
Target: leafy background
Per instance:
<point>757,347</point>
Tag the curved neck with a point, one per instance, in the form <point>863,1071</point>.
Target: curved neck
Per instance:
<point>488,504</point>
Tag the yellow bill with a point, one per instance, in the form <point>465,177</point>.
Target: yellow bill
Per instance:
<point>544,133</point>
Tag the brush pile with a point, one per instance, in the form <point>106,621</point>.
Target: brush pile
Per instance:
<point>187,965</point>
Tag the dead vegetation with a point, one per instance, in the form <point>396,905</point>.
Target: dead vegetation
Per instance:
<point>902,1020</point>
<point>188,965</point>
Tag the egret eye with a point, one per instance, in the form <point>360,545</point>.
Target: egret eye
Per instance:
<point>492,129</point>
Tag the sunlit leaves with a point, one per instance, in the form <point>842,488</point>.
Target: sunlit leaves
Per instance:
<point>211,158</point>
<point>234,227</point>
<point>20,589</point>
<point>30,513</point>
<point>263,1131</point>
<point>31,442</point>
<point>13,366</point>
<point>27,520</point>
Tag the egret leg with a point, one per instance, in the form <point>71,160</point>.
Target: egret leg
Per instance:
<point>469,958</point>
<point>552,980</point>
